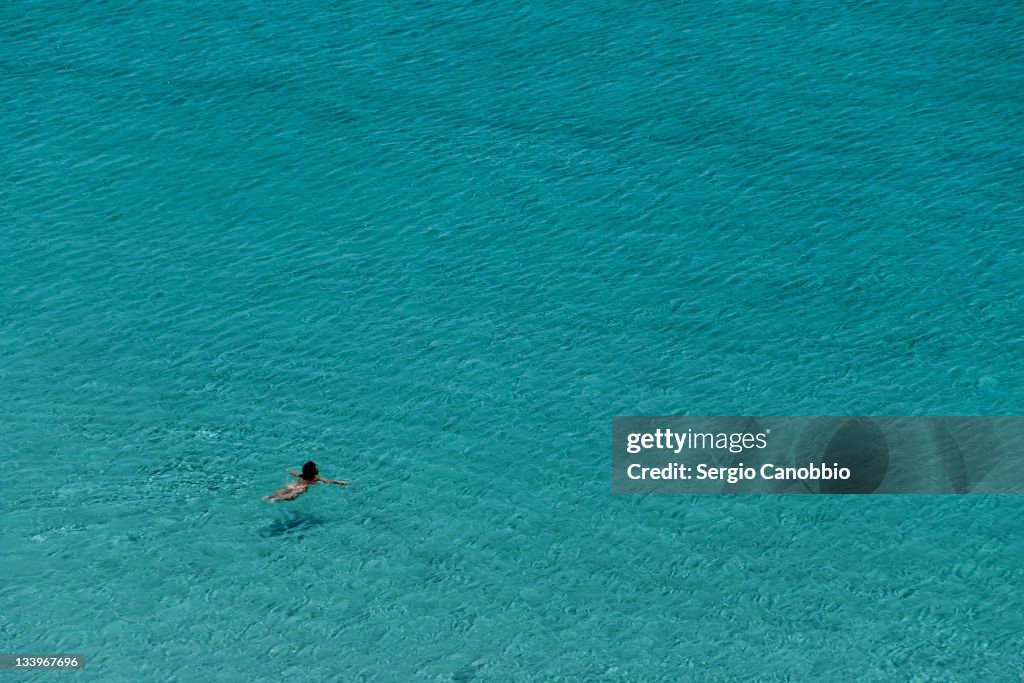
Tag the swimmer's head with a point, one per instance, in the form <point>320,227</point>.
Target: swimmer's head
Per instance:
<point>309,471</point>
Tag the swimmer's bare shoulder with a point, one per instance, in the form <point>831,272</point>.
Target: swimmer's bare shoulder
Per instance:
<point>320,479</point>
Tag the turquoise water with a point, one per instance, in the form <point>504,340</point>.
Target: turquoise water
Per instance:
<point>436,247</point>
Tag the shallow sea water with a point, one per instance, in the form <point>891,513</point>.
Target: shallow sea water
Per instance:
<point>436,247</point>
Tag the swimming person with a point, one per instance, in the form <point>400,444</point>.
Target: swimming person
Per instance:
<point>310,475</point>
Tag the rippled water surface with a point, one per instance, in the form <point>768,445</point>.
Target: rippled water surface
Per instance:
<point>437,247</point>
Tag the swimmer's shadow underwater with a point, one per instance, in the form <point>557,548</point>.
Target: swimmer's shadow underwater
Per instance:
<point>291,522</point>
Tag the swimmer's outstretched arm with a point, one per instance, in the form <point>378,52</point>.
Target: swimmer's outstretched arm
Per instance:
<point>332,481</point>
<point>294,473</point>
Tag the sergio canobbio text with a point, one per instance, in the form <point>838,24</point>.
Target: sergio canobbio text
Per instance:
<point>735,442</point>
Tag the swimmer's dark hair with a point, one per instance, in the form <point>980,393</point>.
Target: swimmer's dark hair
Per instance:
<point>309,471</point>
